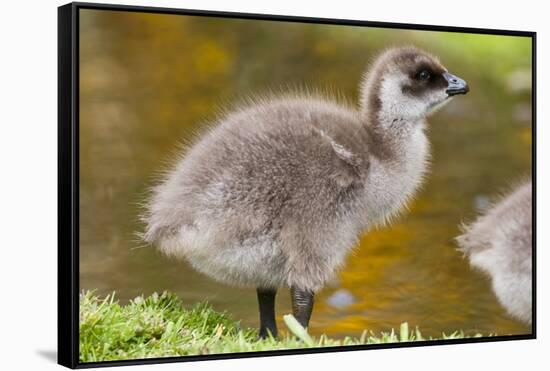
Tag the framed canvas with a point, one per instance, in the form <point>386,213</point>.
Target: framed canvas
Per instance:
<point>242,185</point>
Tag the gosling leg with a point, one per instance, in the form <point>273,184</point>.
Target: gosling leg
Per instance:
<point>302,305</point>
<point>266,301</point>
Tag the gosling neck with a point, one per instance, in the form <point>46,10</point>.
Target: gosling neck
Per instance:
<point>391,133</point>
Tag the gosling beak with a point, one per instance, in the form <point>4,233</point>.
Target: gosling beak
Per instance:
<point>456,85</point>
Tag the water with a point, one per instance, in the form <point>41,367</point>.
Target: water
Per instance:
<point>150,82</point>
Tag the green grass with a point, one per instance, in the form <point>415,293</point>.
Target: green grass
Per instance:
<point>159,326</point>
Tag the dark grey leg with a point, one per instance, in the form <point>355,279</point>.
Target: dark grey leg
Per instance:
<point>266,301</point>
<point>302,305</point>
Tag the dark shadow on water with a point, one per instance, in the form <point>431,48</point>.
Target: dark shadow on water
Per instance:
<point>50,355</point>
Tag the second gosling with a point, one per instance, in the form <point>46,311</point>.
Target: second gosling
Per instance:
<point>500,244</point>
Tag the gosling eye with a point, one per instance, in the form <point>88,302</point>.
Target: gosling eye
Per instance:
<point>424,75</point>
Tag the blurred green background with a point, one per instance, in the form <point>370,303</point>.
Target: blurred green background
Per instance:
<point>149,82</point>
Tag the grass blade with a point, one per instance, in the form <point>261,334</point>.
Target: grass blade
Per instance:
<point>297,329</point>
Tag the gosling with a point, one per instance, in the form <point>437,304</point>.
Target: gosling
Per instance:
<point>499,243</point>
<point>277,193</point>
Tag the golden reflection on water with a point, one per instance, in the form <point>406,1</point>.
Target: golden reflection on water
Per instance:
<point>150,82</point>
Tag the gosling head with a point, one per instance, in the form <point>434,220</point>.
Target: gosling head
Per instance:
<point>408,84</point>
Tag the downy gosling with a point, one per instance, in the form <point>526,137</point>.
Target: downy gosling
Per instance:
<point>499,243</point>
<point>277,193</point>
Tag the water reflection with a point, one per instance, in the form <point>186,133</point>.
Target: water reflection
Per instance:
<point>149,83</point>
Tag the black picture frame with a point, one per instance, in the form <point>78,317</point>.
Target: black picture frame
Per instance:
<point>68,180</point>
